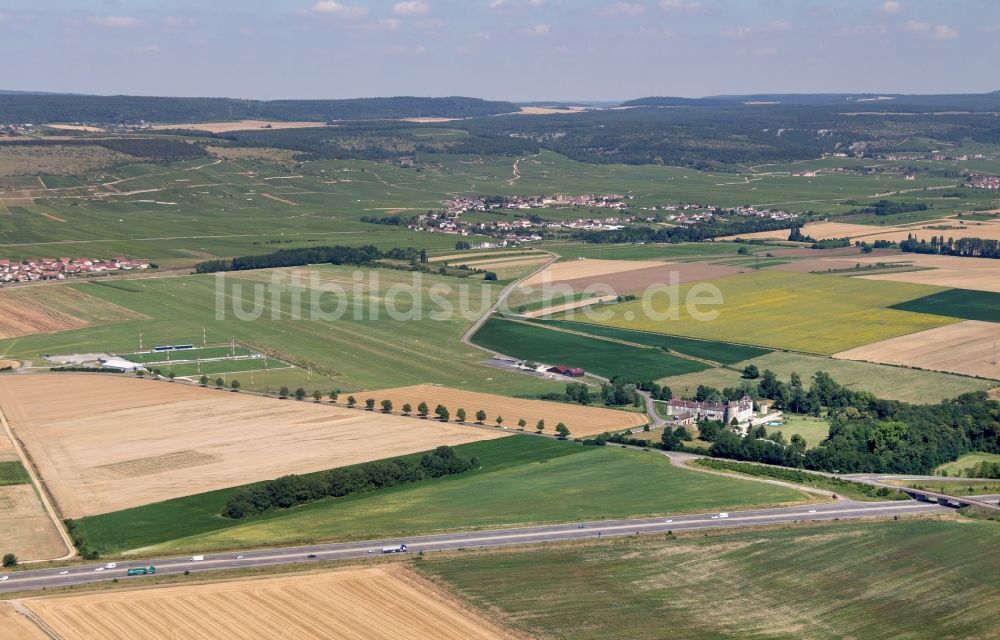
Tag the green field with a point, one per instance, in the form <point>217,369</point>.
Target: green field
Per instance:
<point>909,579</point>
<point>602,357</point>
<point>957,303</point>
<point>893,383</point>
<point>198,353</point>
<point>217,367</point>
<point>722,352</point>
<point>784,310</point>
<point>965,463</point>
<point>814,430</point>
<point>523,480</point>
<point>12,472</point>
<point>361,349</point>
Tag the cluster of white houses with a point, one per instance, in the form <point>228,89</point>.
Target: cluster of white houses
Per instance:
<point>61,268</point>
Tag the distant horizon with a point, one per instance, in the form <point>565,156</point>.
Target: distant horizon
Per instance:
<point>513,50</point>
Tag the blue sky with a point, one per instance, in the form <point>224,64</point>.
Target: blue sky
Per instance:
<point>500,49</point>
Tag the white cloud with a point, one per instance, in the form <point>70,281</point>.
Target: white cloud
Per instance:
<point>541,29</point>
<point>116,22</point>
<point>929,31</point>
<point>176,23</point>
<point>943,32</point>
<point>681,6</point>
<point>332,7</point>
<point>411,8</point>
<point>623,9</point>
<point>889,7</point>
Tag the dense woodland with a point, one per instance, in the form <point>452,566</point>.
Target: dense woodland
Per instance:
<point>165,149</point>
<point>44,108</point>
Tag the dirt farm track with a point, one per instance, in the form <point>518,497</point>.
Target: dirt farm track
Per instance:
<point>378,603</point>
<point>103,443</point>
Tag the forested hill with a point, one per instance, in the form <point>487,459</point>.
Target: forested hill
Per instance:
<point>40,109</point>
<point>856,101</point>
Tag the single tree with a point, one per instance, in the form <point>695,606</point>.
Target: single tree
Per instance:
<point>219,383</point>
<point>300,394</point>
<point>234,385</point>
<point>387,406</point>
<point>750,372</point>
<point>480,416</point>
<point>442,413</point>
<point>540,426</point>
<point>283,392</point>
<point>333,396</point>
<point>460,415</point>
<point>351,401</point>
<point>317,396</point>
<point>9,560</point>
<point>370,404</point>
<point>562,430</point>
<point>668,439</point>
<point>423,409</point>
<point>499,420</point>
<point>203,381</point>
<point>171,375</point>
<point>521,424</point>
<point>407,409</point>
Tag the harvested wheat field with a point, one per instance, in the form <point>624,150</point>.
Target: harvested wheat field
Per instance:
<point>387,602</point>
<point>581,420</point>
<point>981,274</point>
<point>578,269</point>
<point>566,306</point>
<point>239,125</point>
<point>512,261</point>
<point>965,347</point>
<point>26,530</point>
<point>90,436</point>
<point>17,625</point>
<point>47,308</point>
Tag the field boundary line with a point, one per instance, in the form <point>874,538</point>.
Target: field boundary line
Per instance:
<point>41,491</point>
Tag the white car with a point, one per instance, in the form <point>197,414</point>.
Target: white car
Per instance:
<point>812,511</point>
<point>667,521</point>
<point>99,569</point>
<point>723,515</point>
<point>62,573</point>
<point>240,557</point>
<point>4,578</point>
<point>715,517</point>
<point>111,565</point>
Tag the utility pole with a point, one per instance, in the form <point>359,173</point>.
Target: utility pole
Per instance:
<point>204,336</point>
<point>140,341</point>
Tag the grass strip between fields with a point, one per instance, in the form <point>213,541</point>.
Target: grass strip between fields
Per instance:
<point>846,488</point>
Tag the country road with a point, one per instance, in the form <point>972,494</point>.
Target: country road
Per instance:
<point>90,573</point>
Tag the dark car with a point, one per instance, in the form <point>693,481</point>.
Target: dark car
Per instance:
<point>311,555</point>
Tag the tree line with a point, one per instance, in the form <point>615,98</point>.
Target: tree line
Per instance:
<point>291,490</point>
<point>963,247</point>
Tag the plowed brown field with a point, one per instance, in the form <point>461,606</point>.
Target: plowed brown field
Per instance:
<point>374,603</point>
<point>42,309</point>
<point>581,420</point>
<point>93,436</point>
<point>613,277</point>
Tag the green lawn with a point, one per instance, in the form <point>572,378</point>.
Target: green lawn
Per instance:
<point>965,463</point>
<point>523,480</point>
<point>814,430</point>
<point>957,303</point>
<point>12,472</point>
<point>915,579</point>
<point>603,357</point>
<point>198,353</point>
<point>893,383</point>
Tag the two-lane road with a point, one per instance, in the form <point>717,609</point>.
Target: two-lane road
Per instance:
<point>841,509</point>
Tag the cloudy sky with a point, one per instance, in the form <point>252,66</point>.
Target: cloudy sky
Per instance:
<point>503,49</point>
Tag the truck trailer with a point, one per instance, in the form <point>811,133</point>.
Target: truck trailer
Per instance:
<point>399,548</point>
<point>141,571</point>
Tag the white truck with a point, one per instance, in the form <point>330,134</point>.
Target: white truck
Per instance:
<point>399,548</point>
<point>197,558</point>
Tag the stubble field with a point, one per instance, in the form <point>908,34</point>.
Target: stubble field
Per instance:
<point>581,420</point>
<point>91,436</point>
<point>386,602</point>
<point>968,348</point>
<point>46,309</point>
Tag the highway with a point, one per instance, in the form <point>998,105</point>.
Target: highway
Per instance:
<point>94,572</point>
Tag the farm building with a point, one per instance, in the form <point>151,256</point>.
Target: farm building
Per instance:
<point>119,363</point>
<point>572,372</point>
